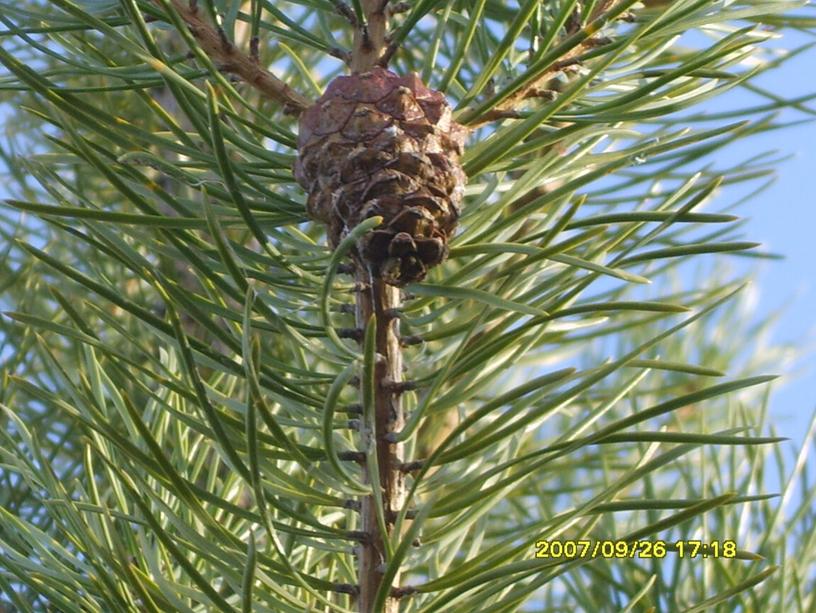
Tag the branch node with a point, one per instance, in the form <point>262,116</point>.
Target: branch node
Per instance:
<point>360,536</point>
<point>408,467</point>
<point>345,588</point>
<point>505,114</point>
<point>391,516</point>
<point>348,309</point>
<point>541,92</point>
<point>389,52</point>
<point>353,333</point>
<point>399,7</point>
<point>214,42</point>
<point>407,341</point>
<point>398,387</point>
<point>392,313</point>
<point>598,41</point>
<point>254,49</point>
<point>402,592</point>
<point>353,409</point>
<point>366,38</point>
<point>341,54</point>
<point>352,456</point>
<point>225,41</point>
<point>574,21</point>
<point>344,10</point>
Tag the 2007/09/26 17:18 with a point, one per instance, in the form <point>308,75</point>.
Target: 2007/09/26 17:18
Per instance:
<point>573,548</point>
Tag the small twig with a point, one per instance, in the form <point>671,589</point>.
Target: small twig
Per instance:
<point>213,41</point>
<point>399,7</point>
<point>389,52</point>
<point>600,9</point>
<point>401,592</point>
<point>411,339</point>
<point>597,41</point>
<point>352,409</point>
<point>352,333</point>
<point>399,387</point>
<point>499,114</point>
<point>391,516</point>
<point>370,37</point>
<point>352,456</point>
<point>345,588</point>
<point>340,54</point>
<point>509,108</point>
<point>226,43</point>
<point>344,10</point>
<point>542,92</point>
<point>367,44</point>
<point>574,20</point>
<point>392,313</point>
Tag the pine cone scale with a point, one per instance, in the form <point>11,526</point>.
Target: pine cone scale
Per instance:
<point>379,144</point>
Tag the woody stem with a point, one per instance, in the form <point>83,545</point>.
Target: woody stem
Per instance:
<point>378,298</point>
<point>213,43</point>
<point>369,37</point>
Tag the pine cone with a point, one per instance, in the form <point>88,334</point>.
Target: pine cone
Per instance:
<point>379,144</point>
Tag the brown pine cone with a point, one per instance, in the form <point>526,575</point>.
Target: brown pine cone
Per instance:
<point>379,144</point>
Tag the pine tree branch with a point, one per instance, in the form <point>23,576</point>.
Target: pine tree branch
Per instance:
<point>215,44</point>
<point>380,299</point>
<point>511,105</point>
<point>370,45</point>
<point>344,10</point>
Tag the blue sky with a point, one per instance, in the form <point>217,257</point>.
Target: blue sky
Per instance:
<point>783,219</point>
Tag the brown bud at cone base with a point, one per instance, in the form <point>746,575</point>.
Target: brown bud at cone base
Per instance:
<point>375,144</point>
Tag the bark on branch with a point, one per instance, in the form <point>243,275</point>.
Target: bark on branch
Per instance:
<point>380,299</point>
<point>370,37</point>
<point>508,108</point>
<point>230,59</point>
